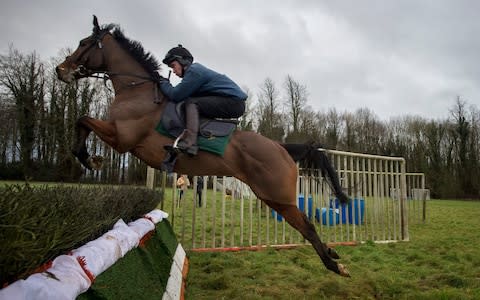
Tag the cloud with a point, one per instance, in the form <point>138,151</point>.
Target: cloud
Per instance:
<point>393,57</point>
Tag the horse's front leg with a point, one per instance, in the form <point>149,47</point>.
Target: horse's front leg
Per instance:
<point>103,129</point>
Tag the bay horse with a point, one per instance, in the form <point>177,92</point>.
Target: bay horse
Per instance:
<point>268,167</point>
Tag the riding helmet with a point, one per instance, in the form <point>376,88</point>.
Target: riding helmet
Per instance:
<point>180,54</point>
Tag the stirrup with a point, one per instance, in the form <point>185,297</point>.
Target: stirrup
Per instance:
<point>180,145</point>
<point>171,149</point>
<point>192,150</point>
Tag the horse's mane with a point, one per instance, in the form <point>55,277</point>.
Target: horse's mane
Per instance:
<point>146,59</point>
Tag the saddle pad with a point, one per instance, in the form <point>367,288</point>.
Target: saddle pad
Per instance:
<point>211,128</point>
<point>213,144</point>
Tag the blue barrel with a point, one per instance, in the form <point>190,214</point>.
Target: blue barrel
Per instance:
<point>301,205</point>
<point>279,216</point>
<point>355,208</point>
<point>332,218</point>
<point>356,211</point>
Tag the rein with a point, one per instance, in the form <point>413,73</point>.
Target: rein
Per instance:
<point>106,76</point>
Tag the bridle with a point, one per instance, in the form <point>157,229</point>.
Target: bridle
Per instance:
<point>83,71</point>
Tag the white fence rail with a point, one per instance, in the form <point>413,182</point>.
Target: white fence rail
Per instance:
<point>231,216</point>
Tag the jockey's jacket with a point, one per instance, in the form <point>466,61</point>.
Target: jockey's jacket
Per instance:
<point>200,81</point>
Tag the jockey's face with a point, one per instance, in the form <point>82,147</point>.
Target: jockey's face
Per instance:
<point>177,68</point>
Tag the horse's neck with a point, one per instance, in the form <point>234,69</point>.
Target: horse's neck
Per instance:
<point>133,96</point>
<point>124,68</point>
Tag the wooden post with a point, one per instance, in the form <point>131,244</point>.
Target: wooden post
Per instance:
<point>424,192</point>
<point>164,186</point>
<point>424,199</point>
<point>223,212</point>
<point>403,199</point>
<point>150,177</point>
<point>194,205</point>
<point>214,210</point>
<point>174,203</point>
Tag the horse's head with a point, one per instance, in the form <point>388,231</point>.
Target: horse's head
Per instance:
<point>88,58</point>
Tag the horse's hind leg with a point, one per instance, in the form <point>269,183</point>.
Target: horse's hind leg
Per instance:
<point>300,222</point>
<point>84,125</point>
<point>330,251</point>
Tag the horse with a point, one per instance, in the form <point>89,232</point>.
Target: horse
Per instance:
<point>267,166</point>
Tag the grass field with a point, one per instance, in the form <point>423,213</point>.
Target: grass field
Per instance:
<point>442,261</point>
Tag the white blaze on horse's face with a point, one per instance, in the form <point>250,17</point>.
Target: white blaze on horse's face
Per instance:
<point>70,69</point>
<point>65,73</point>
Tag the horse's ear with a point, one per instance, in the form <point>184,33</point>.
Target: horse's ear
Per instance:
<point>96,27</point>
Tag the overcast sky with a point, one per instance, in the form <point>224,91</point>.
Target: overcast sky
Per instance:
<point>396,58</point>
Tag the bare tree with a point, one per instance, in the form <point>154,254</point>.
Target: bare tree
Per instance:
<point>246,121</point>
<point>333,128</point>
<point>436,169</point>
<point>270,119</point>
<point>464,141</point>
<point>7,130</point>
<point>23,78</point>
<point>370,131</point>
<point>309,129</point>
<point>295,102</point>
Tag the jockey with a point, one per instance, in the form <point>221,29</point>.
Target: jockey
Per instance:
<point>204,92</point>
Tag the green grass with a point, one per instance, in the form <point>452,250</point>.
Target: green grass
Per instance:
<point>442,261</point>
<point>141,273</point>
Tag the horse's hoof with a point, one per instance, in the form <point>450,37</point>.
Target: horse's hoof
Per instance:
<point>332,253</point>
<point>95,162</point>
<point>342,270</point>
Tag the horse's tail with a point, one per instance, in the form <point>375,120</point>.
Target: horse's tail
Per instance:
<point>309,157</point>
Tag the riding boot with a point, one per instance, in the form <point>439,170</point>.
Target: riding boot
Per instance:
<point>188,142</point>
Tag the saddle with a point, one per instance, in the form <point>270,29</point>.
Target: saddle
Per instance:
<point>173,122</point>
<point>213,134</point>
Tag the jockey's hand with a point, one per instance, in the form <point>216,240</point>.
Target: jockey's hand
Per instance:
<point>160,78</point>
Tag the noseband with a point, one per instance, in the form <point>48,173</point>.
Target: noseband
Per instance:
<point>81,69</point>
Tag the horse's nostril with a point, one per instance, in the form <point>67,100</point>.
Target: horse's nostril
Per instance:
<point>57,69</point>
